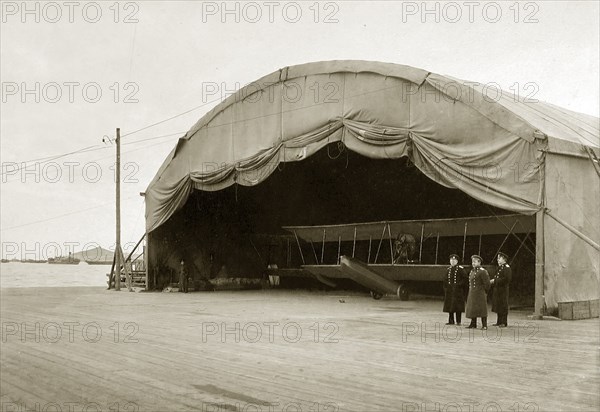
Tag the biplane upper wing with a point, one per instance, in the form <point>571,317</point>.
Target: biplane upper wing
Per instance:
<point>487,225</point>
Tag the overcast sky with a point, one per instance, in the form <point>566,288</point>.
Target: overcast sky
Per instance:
<point>73,72</point>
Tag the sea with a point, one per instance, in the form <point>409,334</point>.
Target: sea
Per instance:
<point>28,275</point>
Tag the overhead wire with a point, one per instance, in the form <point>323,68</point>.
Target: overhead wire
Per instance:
<point>169,118</point>
<point>77,152</point>
<point>53,157</point>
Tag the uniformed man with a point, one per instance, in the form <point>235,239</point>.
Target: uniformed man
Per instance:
<point>183,278</point>
<point>500,292</point>
<point>479,284</point>
<point>454,290</point>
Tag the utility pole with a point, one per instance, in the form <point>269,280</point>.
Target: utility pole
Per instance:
<point>118,217</point>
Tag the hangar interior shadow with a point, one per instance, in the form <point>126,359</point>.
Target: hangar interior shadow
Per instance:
<point>237,231</point>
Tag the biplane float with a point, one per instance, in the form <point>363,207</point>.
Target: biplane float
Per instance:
<point>385,257</point>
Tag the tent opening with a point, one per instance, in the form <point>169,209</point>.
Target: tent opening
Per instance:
<point>237,231</point>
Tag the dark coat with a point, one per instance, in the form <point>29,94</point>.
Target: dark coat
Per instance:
<point>183,279</point>
<point>455,283</point>
<point>500,289</point>
<point>479,284</point>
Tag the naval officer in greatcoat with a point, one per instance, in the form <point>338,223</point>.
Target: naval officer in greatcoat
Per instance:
<point>455,282</point>
<point>479,285</point>
<point>500,284</point>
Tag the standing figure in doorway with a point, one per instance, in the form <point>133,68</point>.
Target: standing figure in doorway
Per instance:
<point>454,286</point>
<point>479,285</point>
<point>500,292</point>
<point>183,278</point>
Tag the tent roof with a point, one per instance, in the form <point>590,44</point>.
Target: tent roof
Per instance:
<point>554,122</point>
<point>381,110</point>
<point>550,120</point>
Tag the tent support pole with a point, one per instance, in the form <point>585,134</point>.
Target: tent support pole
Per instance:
<point>111,275</point>
<point>593,159</point>
<point>127,270</point>
<point>539,265</point>
<point>575,232</point>
<point>145,252</point>
<point>134,248</point>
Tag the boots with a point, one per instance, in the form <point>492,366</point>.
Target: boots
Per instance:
<point>502,320</point>
<point>451,316</point>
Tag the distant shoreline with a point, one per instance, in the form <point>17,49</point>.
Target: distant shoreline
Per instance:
<point>102,262</point>
<point>51,287</point>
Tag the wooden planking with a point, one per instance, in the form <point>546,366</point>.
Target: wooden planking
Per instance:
<point>382,361</point>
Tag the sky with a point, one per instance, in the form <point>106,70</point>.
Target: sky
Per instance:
<point>73,72</point>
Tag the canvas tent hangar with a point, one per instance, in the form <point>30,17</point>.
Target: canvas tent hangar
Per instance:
<point>527,158</point>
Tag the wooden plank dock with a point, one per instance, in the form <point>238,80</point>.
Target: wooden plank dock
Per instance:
<point>276,350</point>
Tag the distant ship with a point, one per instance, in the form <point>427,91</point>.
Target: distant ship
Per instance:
<point>99,262</point>
<point>64,260</point>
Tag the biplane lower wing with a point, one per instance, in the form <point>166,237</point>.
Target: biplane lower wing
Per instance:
<point>399,273</point>
<point>380,279</point>
<point>421,273</point>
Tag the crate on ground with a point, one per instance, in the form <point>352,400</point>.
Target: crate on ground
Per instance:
<point>584,309</point>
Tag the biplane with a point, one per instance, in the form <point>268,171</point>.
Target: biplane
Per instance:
<point>372,253</point>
